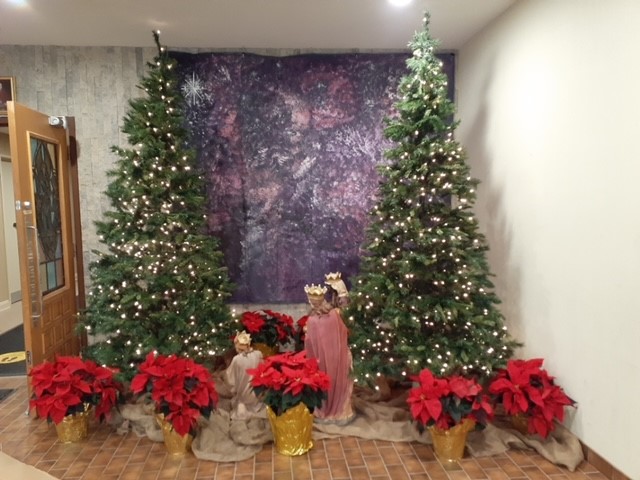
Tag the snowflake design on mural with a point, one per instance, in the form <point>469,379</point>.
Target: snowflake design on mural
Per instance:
<point>194,91</point>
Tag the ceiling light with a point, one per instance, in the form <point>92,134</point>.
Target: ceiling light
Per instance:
<point>399,3</point>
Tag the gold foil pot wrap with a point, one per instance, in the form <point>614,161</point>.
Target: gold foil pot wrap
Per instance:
<point>292,430</point>
<point>175,443</point>
<point>74,428</point>
<point>266,350</point>
<point>520,422</point>
<point>449,444</point>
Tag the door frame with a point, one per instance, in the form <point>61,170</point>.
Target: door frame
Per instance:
<point>75,264</point>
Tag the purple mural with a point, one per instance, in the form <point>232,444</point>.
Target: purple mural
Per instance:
<point>290,147</point>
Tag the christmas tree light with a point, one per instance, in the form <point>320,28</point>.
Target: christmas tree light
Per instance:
<point>423,297</point>
<point>161,285</point>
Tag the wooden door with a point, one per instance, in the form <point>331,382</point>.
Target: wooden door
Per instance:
<point>39,156</point>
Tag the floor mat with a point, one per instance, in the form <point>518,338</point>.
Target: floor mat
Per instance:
<point>5,392</point>
<point>12,358</point>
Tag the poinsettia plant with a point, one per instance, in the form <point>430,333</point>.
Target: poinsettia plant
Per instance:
<point>525,388</point>
<point>70,385</point>
<point>447,401</point>
<point>268,327</point>
<point>181,389</point>
<point>301,332</point>
<point>285,380</point>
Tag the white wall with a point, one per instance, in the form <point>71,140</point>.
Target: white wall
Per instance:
<point>549,104</point>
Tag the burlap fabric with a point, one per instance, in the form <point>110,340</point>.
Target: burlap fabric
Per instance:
<point>222,439</point>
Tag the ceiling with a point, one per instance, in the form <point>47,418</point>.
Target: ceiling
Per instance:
<point>242,24</point>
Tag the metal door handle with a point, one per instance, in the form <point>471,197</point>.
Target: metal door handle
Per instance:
<point>33,266</point>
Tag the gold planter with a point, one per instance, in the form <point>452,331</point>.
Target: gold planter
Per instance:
<point>266,350</point>
<point>74,428</point>
<point>292,430</point>
<point>520,422</point>
<point>175,443</point>
<point>449,444</point>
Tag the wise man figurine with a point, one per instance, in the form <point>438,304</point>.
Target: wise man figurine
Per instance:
<point>326,340</point>
<point>244,403</point>
<point>339,292</point>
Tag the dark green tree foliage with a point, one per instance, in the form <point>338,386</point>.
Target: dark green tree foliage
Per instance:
<point>162,284</point>
<point>423,298</point>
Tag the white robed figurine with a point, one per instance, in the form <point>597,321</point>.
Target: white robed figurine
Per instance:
<point>244,403</point>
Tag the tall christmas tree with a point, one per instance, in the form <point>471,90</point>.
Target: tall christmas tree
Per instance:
<point>423,298</point>
<point>162,284</point>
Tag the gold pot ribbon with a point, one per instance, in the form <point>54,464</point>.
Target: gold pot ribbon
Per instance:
<point>175,443</point>
<point>292,430</point>
<point>449,444</point>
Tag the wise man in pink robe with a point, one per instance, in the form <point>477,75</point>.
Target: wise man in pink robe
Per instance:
<point>326,340</point>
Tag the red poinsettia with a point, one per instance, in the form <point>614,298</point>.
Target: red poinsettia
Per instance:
<point>524,387</point>
<point>268,327</point>
<point>301,332</point>
<point>181,389</point>
<point>285,380</point>
<point>447,401</point>
<point>69,385</point>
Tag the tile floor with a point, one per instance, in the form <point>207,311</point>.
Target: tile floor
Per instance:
<point>106,455</point>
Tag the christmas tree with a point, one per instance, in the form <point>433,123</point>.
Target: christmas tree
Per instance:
<point>423,298</point>
<point>162,284</point>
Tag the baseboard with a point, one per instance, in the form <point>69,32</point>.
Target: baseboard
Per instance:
<point>602,464</point>
<point>16,296</point>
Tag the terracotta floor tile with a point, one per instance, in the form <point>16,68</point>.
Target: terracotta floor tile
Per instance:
<point>264,470</point>
<point>106,455</point>
<point>368,447</point>
<point>349,442</point>
<point>412,464</point>
<point>92,473</point>
<point>398,472</point>
<point>339,469</point>
<point>282,476</point>
<point>496,474</point>
<point>389,455</point>
<point>375,465</point>
<point>245,467</point>
<point>207,469</point>
<point>148,475</point>
<point>322,474</point>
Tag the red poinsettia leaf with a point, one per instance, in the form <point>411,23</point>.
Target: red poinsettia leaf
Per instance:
<point>539,425</point>
<point>501,385</point>
<point>139,383</point>
<point>200,396</point>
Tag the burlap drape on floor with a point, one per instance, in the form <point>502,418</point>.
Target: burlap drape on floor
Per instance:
<point>224,440</point>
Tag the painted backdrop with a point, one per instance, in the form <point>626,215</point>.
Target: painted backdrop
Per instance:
<point>290,147</point>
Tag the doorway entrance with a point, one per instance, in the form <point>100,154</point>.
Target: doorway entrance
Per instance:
<point>47,232</point>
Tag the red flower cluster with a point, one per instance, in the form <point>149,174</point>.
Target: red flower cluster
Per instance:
<point>268,327</point>
<point>524,387</point>
<point>65,386</point>
<point>300,332</point>
<point>446,402</point>
<point>285,380</point>
<point>181,389</point>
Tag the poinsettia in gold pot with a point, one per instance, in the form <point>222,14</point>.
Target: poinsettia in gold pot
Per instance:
<point>68,390</point>
<point>269,330</point>
<point>450,407</point>
<point>182,391</point>
<point>529,394</point>
<point>292,386</point>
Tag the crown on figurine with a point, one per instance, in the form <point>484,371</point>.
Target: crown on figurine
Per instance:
<point>315,290</point>
<point>332,277</point>
<point>243,338</point>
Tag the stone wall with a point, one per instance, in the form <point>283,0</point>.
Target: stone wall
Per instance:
<point>92,84</point>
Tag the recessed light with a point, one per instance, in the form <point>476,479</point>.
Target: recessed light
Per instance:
<point>399,3</point>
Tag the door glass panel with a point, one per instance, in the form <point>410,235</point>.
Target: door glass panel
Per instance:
<point>44,162</point>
